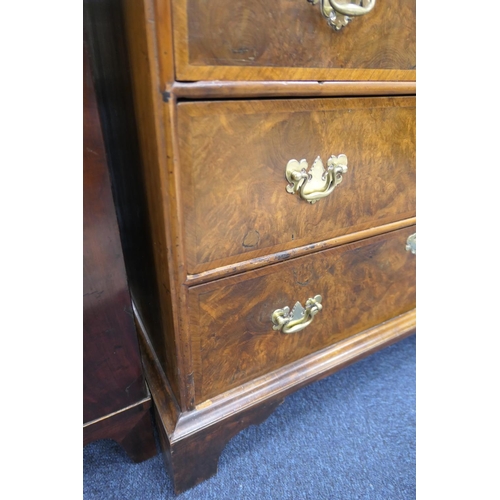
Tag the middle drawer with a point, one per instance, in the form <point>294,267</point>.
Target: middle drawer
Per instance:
<point>234,154</point>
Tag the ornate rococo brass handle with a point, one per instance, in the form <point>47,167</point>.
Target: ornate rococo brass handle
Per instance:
<point>299,318</point>
<point>318,182</point>
<point>339,14</point>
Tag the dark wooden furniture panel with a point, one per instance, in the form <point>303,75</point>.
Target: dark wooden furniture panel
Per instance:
<point>233,159</point>
<point>290,40</point>
<point>116,401</point>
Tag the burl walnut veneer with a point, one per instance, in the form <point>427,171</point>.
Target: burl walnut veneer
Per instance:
<point>278,178</point>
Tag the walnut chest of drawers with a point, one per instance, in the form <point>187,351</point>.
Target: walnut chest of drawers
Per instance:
<point>278,170</point>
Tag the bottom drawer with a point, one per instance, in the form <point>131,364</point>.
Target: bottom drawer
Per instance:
<point>233,338</point>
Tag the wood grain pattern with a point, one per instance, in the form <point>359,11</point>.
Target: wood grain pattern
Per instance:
<point>290,40</point>
<point>213,362</point>
<point>155,130</point>
<point>258,262</point>
<point>191,450</point>
<point>362,284</point>
<point>233,158</point>
<point>289,378</point>
<point>166,401</point>
<point>161,17</point>
<point>247,90</point>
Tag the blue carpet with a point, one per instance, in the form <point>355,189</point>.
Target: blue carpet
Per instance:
<point>349,436</point>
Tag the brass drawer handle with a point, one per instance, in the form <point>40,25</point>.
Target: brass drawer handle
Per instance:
<point>299,318</point>
<point>339,14</point>
<point>411,244</point>
<point>318,182</point>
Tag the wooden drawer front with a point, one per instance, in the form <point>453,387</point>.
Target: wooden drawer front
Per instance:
<point>233,160</point>
<point>290,40</point>
<point>362,284</point>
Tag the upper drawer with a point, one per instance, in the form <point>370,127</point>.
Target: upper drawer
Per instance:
<point>235,204</point>
<point>291,40</point>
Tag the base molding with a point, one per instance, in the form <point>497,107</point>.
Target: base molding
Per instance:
<point>192,441</point>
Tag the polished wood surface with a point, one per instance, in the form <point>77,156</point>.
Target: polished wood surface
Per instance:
<point>112,375</point>
<point>159,180</point>
<point>116,402</point>
<point>159,14</point>
<point>221,89</point>
<point>362,284</point>
<point>112,66</point>
<point>214,422</point>
<point>290,40</point>
<point>233,159</point>
<point>207,131</point>
<point>258,262</point>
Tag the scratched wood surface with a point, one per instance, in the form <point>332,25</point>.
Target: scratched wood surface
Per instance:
<point>290,40</point>
<point>362,284</point>
<point>233,158</point>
